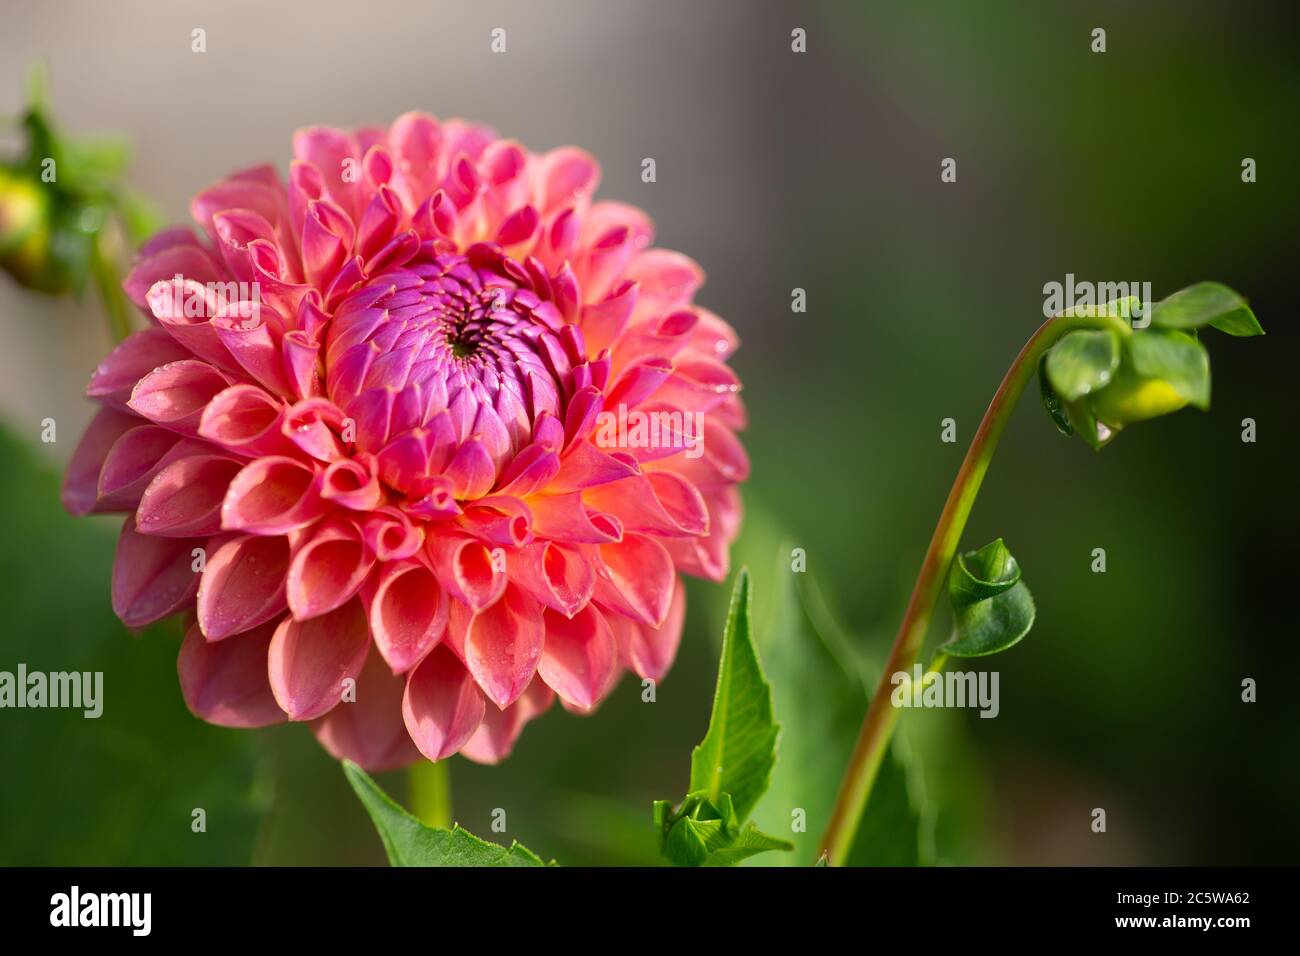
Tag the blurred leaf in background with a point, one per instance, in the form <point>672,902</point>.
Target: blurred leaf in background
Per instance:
<point>122,788</point>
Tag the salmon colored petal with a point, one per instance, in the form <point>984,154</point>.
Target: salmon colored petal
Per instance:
<point>243,585</point>
<point>328,568</point>
<point>649,651</point>
<point>580,658</point>
<point>636,575</point>
<point>152,577</point>
<point>184,498</point>
<point>496,735</point>
<point>369,730</point>
<point>175,395</point>
<point>226,683</point>
<point>466,569</point>
<point>559,577</point>
<point>442,705</point>
<point>502,644</point>
<point>408,613</point>
<point>135,357</point>
<point>273,496</point>
<point>313,664</point>
<point>80,493</point>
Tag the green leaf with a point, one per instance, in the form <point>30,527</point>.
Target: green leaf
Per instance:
<point>1175,358</point>
<point>992,608</point>
<point>737,754</point>
<point>751,842</point>
<point>410,843</point>
<point>1052,402</point>
<point>1082,362</point>
<point>1207,303</point>
<point>732,766</point>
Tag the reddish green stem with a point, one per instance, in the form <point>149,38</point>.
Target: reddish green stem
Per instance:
<point>878,725</point>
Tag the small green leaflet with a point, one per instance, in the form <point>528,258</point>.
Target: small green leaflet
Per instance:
<point>1082,362</point>
<point>1175,358</point>
<point>732,766</point>
<point>1207,303</point>
<point>992,608</point>
<point>410,843</point>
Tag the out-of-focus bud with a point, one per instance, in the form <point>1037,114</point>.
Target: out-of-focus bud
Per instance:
<point>1131,397</point>
<point>1096,381</point>
<point>57,198</point>
<point>24,226</point>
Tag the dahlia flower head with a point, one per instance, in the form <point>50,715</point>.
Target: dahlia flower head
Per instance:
<point>418,443</point>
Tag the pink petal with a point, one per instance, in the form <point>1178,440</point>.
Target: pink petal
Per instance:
<point>327,569</point>
<point>369,730</point>
<point>309,661</point>
<point>243,585</point>
<point>245,419</point>
<point>465,569</point>
<point>187,259</point>
<point>442,706</point>
<point>176,394</point>
<point>502,644</point>
<point>408,613</point>
<point>636,576</point>
<point>81,483</point>
<point>184,498</point>
<point>559,577</point>
<point>273,496</point>
<point>226,683</point>
<point>134,358</point>
<point>649,651</point>
<point>580,658</point>
<point>132,463</point>
<point>496,736</point>
<point>152,577</point>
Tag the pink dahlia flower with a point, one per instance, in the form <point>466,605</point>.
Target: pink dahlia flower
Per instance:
<point>419,443</point>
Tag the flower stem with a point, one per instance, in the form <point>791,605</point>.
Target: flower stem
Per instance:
<point>878,725</point>
<point>429,792</point>
<point>108,280</point>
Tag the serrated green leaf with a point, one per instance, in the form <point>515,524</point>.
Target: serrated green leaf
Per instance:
<point>410,843</point>
<point>1082,362</point>
<point>1175,358</point>
<point>992,607</point>
<point>751,842</point>
<point>1052,402</point>
<point>689,841</point>
<point>737,754</point>
<point>1207,303</point>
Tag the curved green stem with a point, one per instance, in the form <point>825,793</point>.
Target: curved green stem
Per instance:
<point>429,786</point>
<point>108,280</point>
<point>878,725</point>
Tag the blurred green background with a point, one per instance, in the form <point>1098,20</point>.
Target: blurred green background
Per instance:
<point>776,170</point>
